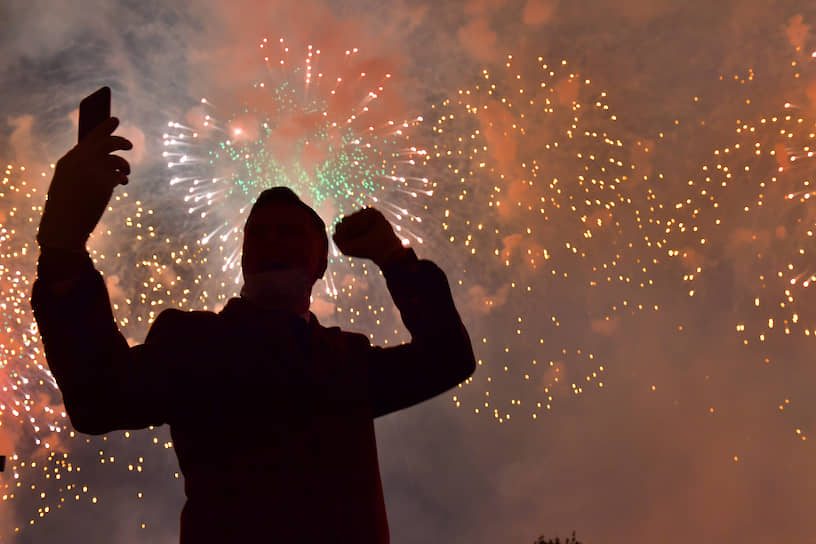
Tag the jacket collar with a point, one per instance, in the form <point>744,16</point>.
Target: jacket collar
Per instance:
<point>253,317</point>
<point>319,344</point>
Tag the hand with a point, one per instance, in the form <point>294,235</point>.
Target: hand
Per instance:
<point>367,234</point>
<point>81,188</point>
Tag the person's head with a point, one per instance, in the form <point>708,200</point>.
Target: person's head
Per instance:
<point>283,235</point>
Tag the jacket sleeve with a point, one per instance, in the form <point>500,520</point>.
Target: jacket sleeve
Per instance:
<point>440,354</point>
<point>106,385</point>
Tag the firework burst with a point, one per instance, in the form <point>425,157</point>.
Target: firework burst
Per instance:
<point>324,134</point>
<point>749,211</point>
<point>34,429</point>
<point>545,197</point>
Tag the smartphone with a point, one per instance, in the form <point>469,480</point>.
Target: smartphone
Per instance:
<point>2,463</point>
<point>94,110</point>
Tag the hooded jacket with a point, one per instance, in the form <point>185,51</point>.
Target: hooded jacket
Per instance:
<point>295,401</point>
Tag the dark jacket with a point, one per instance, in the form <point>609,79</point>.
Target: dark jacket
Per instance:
<point>293,404</point>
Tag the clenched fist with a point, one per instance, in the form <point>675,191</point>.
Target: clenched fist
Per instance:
<point>81,188</point>
<point>368,234</point>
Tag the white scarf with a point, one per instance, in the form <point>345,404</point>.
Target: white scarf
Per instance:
<point>277,289</point>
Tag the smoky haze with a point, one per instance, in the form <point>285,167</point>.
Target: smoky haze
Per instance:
<point>694,435</point>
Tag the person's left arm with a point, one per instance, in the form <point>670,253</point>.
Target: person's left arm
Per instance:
<point>440,354</point>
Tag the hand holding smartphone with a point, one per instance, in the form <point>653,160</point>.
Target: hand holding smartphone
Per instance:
<point>85,177</point>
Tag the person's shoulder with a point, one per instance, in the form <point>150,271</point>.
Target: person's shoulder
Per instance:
<point>346,340</point>
<point>175,322</point>
<point>354,340</point>
<point>177,316</point>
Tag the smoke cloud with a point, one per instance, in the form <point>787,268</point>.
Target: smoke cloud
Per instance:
<point>694,436</point>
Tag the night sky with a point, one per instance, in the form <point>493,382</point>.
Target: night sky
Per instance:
<point>618,193</point>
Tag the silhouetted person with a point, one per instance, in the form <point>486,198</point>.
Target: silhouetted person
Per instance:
<point>271,414</point>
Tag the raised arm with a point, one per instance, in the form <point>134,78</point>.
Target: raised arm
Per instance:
<point>104,383</point>
<point>440,354</point>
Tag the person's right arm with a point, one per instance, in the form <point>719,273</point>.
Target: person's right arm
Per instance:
<point>105,384</point>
